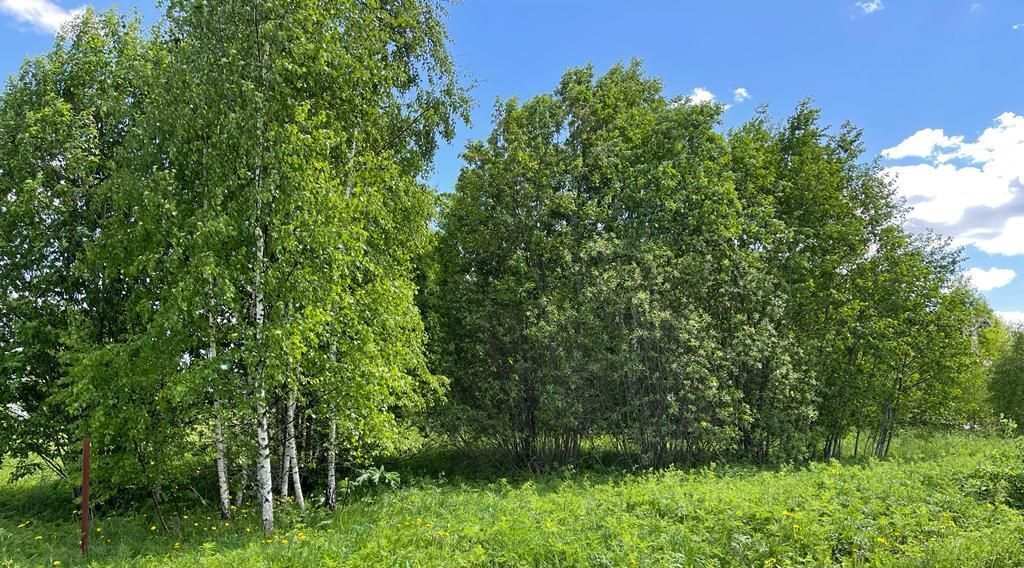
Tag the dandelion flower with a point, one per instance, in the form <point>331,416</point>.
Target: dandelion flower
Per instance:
<point>152,527</point>
<point>39,537</point>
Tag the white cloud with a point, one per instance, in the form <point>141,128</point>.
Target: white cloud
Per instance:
<point>740,95</point>
<point>1018,27</point>
<point>976,7</point>
<point>1012,318</point>
<point>701,96</point>
<point>870,6</point>
<point>972,191</point>
<point>43,15</point>
<point>985,280</point>
<point>922,144</point>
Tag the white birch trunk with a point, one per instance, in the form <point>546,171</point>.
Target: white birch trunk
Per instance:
<point>264,480</point>
<point>293,459</point>
<point>285,464</point>
<point>332,453</point>
<point>220,445</point>
<point>222,467</point>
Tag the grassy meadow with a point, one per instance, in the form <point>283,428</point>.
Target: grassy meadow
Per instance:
<point>941,500</point>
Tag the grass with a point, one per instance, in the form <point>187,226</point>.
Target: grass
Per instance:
<point>928,506</point>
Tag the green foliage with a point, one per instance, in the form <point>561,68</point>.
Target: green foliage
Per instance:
<point>63,120</point>
<point>1000,479</point>
<point>611,265</point>
<point>1007,382</point>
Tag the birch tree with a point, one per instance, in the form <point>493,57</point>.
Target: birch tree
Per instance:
<point>293,185</point>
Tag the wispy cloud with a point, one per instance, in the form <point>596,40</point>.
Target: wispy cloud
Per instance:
<point>1017,27</point>
<point>740,95</point>
<point>871,6</point>
<point>43,15</point>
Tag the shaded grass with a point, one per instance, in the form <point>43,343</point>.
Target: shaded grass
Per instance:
<point>910,511</point>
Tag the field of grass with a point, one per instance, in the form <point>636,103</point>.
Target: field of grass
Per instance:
<point>943,500</point>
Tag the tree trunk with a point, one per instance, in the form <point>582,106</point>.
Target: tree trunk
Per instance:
<point>222,467</point>
<point>285,456</point>
<point>243,483</point>
<point>263,473</point>
<point>293,458</point>
<point>220,445</point>
<point>885,430</point>
<point>332,454</point>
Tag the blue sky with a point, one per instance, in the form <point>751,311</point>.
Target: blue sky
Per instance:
<point>937,85</point>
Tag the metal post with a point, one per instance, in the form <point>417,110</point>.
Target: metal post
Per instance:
<point>85,496</point>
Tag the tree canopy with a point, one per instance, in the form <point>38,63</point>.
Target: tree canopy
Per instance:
<point>612,266</point>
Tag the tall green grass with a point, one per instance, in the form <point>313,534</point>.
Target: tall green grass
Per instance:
<point>928,506</point>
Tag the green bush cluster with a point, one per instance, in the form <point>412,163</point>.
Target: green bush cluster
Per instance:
<point>612,265</point>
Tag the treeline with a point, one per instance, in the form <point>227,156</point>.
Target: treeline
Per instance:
<point>613,270</point>
<point>220,264</point>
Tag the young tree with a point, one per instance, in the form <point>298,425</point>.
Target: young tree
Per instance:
<point>63,120</point>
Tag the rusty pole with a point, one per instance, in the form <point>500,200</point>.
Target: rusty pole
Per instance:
<point>85,496</point>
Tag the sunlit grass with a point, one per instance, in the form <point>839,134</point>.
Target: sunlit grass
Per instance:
<point>910,511</point>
